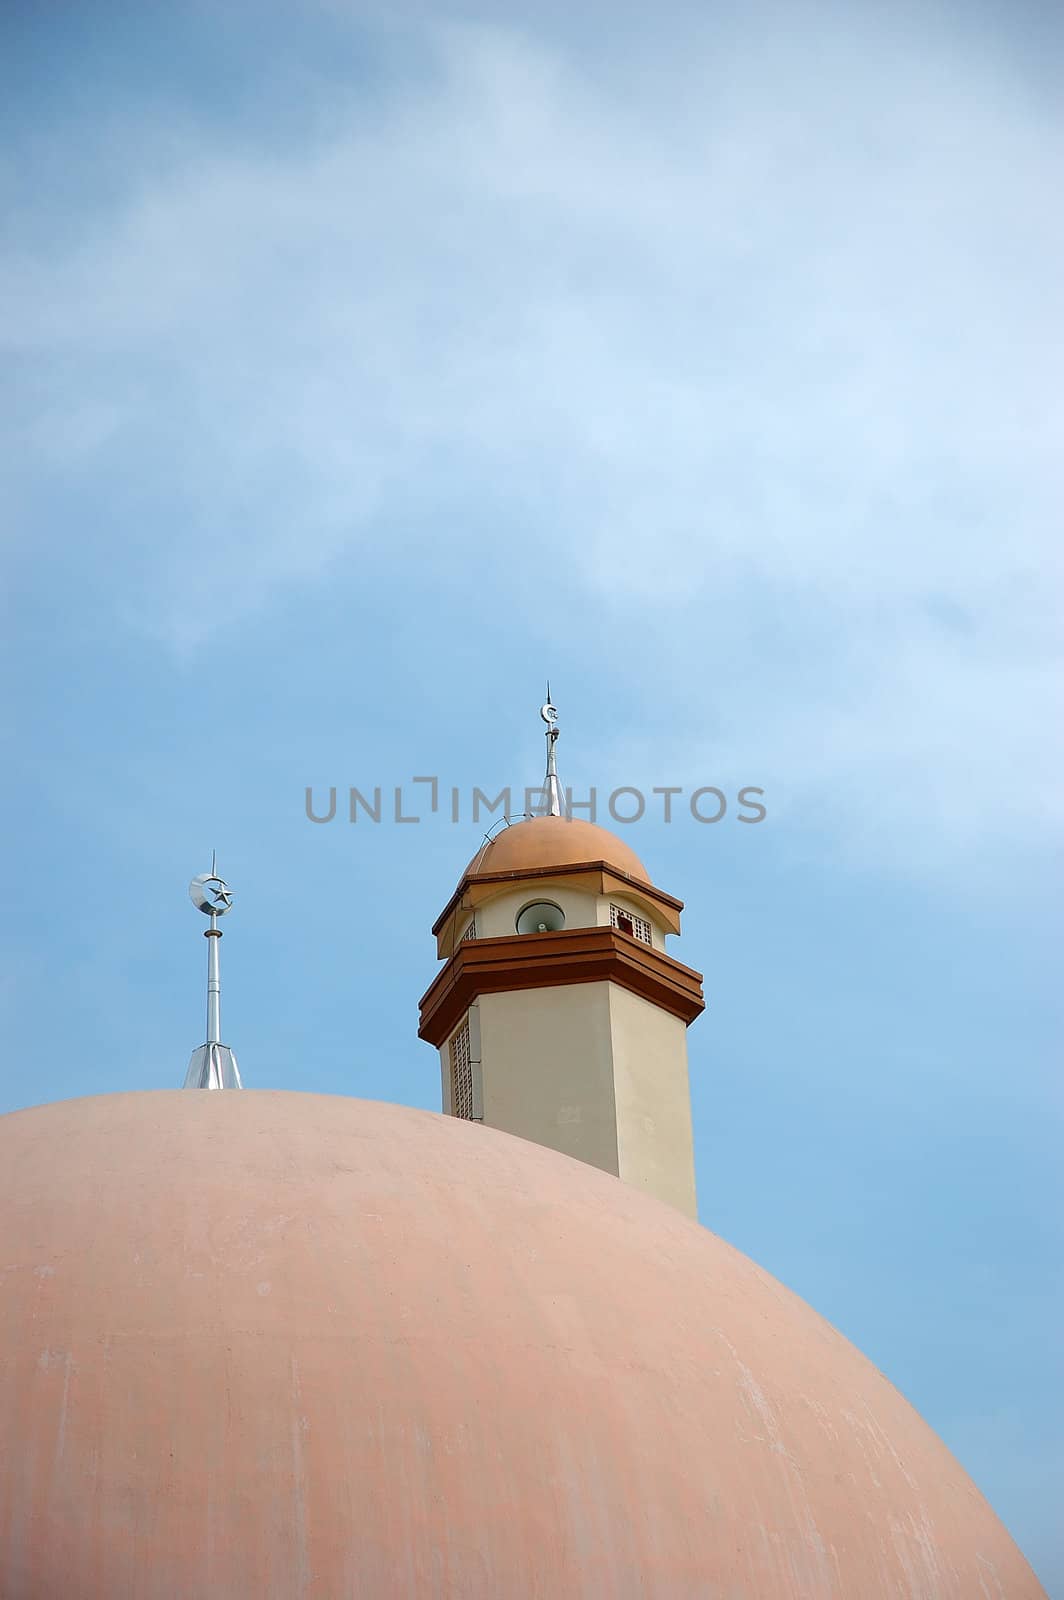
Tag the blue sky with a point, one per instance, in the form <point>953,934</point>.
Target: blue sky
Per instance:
<point>364,365</point>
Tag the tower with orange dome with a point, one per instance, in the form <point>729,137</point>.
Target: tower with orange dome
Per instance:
<point>559,1015</point>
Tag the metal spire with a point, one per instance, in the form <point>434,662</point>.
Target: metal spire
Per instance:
<point>550,783</point>
<point>213,1065</point>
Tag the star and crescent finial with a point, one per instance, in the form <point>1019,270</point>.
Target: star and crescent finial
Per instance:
<point>549,712</point>
<point>213,1064</point>
<point>209,893</point>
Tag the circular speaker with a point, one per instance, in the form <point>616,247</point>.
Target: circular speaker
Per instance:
<point>542,916</point>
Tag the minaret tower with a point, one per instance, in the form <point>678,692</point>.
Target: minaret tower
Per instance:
<point>213,1064</point>
<point>558,1015</point>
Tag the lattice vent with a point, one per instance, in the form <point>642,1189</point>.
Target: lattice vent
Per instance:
<point>461,1074</point>
<point>470,933</point>
<point>628,922</point>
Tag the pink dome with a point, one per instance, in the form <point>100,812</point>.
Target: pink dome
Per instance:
<point>264,1345</point>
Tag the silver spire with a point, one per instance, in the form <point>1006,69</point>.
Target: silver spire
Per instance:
<point>213,1065</point>
<point>550,783</point>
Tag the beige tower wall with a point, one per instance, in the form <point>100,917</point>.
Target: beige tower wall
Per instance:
<point>653,1100</point>
<point>547,1065</point>
<point>497,918</point>
<point>596,1072</point>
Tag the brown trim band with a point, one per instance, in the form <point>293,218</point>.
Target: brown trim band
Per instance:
<point>542,960</point>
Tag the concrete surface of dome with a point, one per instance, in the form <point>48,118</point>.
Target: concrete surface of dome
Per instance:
<point>554,842</point>
<point>268,1344</point>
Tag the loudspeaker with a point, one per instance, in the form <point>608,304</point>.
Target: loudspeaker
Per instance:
<point>543,916</point>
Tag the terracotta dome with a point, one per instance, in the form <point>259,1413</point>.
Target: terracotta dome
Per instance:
<point>554,842</point>
<point>264,1345</point>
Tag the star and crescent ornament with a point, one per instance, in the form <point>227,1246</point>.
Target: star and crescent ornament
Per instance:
<point>210,894</point>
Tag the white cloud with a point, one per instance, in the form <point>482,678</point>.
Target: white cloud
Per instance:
<point>777,329</point>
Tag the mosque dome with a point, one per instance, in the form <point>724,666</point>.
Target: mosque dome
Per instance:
<point>540,843</point>
<point>266,1345</point>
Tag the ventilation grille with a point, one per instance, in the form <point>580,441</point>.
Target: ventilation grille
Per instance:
<point>461,1075</point>
<point>628,922</point>
<point>470,933</point>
